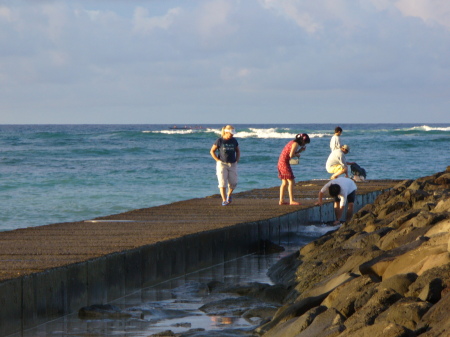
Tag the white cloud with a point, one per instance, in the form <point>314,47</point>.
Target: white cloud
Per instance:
<point>430,11</point>
<point>213,19</point>
<point>296,11</point>
<point>144,24</point>
<point>211,54</point>
<point>5,13</point>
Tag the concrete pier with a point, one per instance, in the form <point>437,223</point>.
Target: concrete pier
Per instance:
<point>50,271</point>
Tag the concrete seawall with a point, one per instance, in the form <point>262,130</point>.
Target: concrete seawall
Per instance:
<point>35,297</point>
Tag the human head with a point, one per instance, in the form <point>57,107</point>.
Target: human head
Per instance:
<point>345,148</point>
<point>334,190</point>
<point>337,129</point>
<point>302,139</point>
<point>228,129</point>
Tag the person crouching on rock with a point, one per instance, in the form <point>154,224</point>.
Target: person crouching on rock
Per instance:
<point>343,190</point>
<point>337,163</point>
<point>227,159</point>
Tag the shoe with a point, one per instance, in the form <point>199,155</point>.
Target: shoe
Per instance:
<point>225,203</point>
<point>294,203</point>
<point>229,199</point>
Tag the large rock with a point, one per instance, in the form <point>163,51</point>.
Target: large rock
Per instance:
<point>326,324</point>
<point>351,295</point>
<point>406,312</point>
<point>384,329</point>
<point>436,322</point>
<point>295,325</point>
<point>384,273</point>
<point>367,314</point>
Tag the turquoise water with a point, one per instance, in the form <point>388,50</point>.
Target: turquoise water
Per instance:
<point>63,173</point>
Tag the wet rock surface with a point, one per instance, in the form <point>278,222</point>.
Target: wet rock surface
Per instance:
<point>385,273</point>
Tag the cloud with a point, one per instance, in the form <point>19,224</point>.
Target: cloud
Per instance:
<point>431,12</point>
<point>296,11</point>
<point>85,59</point>
<point>144,24</point>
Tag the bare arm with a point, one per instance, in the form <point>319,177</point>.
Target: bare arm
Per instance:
<point>320,202</point>
<point>294,151</point>
<point>213,152</point>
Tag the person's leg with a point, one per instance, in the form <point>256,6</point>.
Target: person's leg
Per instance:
<point>232,180</point>
<point>350,202</point>
<point>282,189</point>
<point>222,177</point>
<point>349,212</point>
<point>337,170</point>
<point>223,193</point>
<point>291,183</point>
<point>337,213</point>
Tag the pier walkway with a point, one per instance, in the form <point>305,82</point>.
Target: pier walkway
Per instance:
<point>52,270</point>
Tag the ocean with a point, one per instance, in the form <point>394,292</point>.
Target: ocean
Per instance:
<point>63,173</point>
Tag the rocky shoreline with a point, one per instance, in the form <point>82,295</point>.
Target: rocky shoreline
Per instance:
<point>385,273</point>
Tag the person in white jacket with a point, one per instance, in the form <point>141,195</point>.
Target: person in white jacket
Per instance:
<point>343,190</point>
<point>337,163</point>
<point>335,142</point>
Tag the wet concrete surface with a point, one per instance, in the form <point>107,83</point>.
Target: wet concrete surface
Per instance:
<point>37,249</point>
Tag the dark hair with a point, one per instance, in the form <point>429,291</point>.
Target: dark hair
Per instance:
<point>337,129</point>
<point>334,190</point>
<point>302,138</point>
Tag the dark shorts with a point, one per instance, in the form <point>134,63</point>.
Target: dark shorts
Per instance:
<point>350,197</point>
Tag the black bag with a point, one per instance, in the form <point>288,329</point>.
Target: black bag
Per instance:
<point>358,170</point>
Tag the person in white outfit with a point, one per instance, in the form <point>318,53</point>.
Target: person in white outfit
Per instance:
<point>343,190</point>
<point>335,142</point>
<point>337,163</point>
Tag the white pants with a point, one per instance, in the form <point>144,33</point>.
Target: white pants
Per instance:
<point>227,174</point>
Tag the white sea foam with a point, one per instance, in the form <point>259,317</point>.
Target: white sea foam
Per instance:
<point>314,230</point>
<point>181,131</point>
<point>273,133</point>
<point>426,128</point>
<point>278,133</point>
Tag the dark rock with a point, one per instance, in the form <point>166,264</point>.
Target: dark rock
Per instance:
<point>263,312</point>
<point>167,333</point>
<point>102,311</point>
<point>432,291</point>
<point>295,325</point>
<point>406,312</point>
<point>384,273</point>
<point>383,329</point>
<point>284,270</point>
<point>290,311</point>
<point>326,324</point>
<point>378,265</point>
<point>436,322</point>
<point>351,295</point>
<point>366,315</point>
<point>230,306</point>
<point>400,283</point>
<point>426,278</point>
<point>364,239</point>
<point>268,247</point>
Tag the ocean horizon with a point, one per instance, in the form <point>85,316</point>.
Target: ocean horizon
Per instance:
<point>51,173</point>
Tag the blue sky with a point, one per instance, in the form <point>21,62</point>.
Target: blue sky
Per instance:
<point>224,61</point>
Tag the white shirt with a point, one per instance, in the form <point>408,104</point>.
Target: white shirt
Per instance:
<point>335,142</point>
<point>347,186</point>
<point>337,157</point>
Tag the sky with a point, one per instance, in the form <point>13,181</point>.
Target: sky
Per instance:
<point>224,61</point>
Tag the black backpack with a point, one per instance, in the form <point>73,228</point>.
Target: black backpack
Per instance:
<point>358,170</point>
